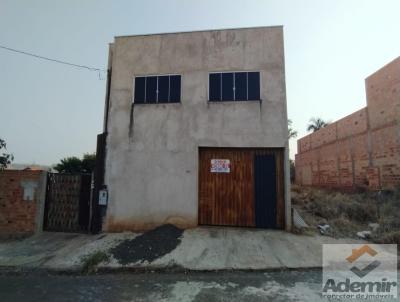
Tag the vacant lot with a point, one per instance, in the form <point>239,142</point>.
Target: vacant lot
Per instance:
<point>349,213</point>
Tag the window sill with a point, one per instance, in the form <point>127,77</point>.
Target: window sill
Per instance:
<point>149,104</point>
<point>224,102</point>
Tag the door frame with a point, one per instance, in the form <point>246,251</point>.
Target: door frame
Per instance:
<point>280,179</point>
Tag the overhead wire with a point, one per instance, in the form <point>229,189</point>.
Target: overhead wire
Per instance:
<point>99,70</point>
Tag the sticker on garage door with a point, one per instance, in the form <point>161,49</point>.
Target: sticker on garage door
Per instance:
<point>220,166</point>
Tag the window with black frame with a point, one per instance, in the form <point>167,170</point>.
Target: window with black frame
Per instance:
<point>234,86</point>
<point>157,89</point>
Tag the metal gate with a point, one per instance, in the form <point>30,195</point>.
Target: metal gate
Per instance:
<point>248,193</point>
<point>98,211</point>
<point>67,206</point>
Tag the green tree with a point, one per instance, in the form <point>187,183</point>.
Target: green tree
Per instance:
<point>71,164</point>
<point>316,124</point>
<point>292,132</point>
<point>74,164</point>
<point>5,158</point>
<point>88,162</point>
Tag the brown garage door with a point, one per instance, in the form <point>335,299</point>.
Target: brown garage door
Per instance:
<point>241,187</point>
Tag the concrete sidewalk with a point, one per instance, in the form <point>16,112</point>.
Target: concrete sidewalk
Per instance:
<point>203,248</point>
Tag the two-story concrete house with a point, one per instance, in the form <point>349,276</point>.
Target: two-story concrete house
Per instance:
<point>196,126</point>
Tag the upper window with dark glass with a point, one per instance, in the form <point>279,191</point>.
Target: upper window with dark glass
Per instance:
<point>158,89</point>
<point>234,86</point>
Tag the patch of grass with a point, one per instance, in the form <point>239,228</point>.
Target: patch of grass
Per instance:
<point>350,213</point>
<point>333,205</point>
<point>91,261</point>
<point>344,227</point>
<point>389,223</point>
<point>359,212</point>
<point>302,231</point>
<point>387,237</point>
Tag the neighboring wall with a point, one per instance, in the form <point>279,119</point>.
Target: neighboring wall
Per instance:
<point>22,195</point>
<point>362,149</point>
<point>152,149</point>
<point>383,101</point>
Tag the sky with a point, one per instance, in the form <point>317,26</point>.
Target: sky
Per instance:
<point>50,111</point>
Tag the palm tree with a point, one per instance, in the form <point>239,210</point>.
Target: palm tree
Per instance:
<point>316,123</point>
<point>292,132</point>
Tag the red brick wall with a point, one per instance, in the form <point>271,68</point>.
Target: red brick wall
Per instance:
<point>386,154</point>
<point>362,149</point>
<point>383,95</point>
<point>18,216</point>
<point>345,162</point>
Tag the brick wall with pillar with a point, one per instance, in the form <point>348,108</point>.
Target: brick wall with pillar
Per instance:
<point>22,197</point>
<point>362,149</point>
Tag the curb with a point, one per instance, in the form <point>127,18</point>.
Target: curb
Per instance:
<point>20,271</point>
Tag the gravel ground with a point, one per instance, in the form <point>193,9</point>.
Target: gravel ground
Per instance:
<point>148,246</point>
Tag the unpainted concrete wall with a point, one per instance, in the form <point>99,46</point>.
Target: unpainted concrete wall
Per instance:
<point>362,149</point>
<point>152,150</point>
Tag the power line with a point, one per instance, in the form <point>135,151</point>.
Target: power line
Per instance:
<point>52,60</point>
